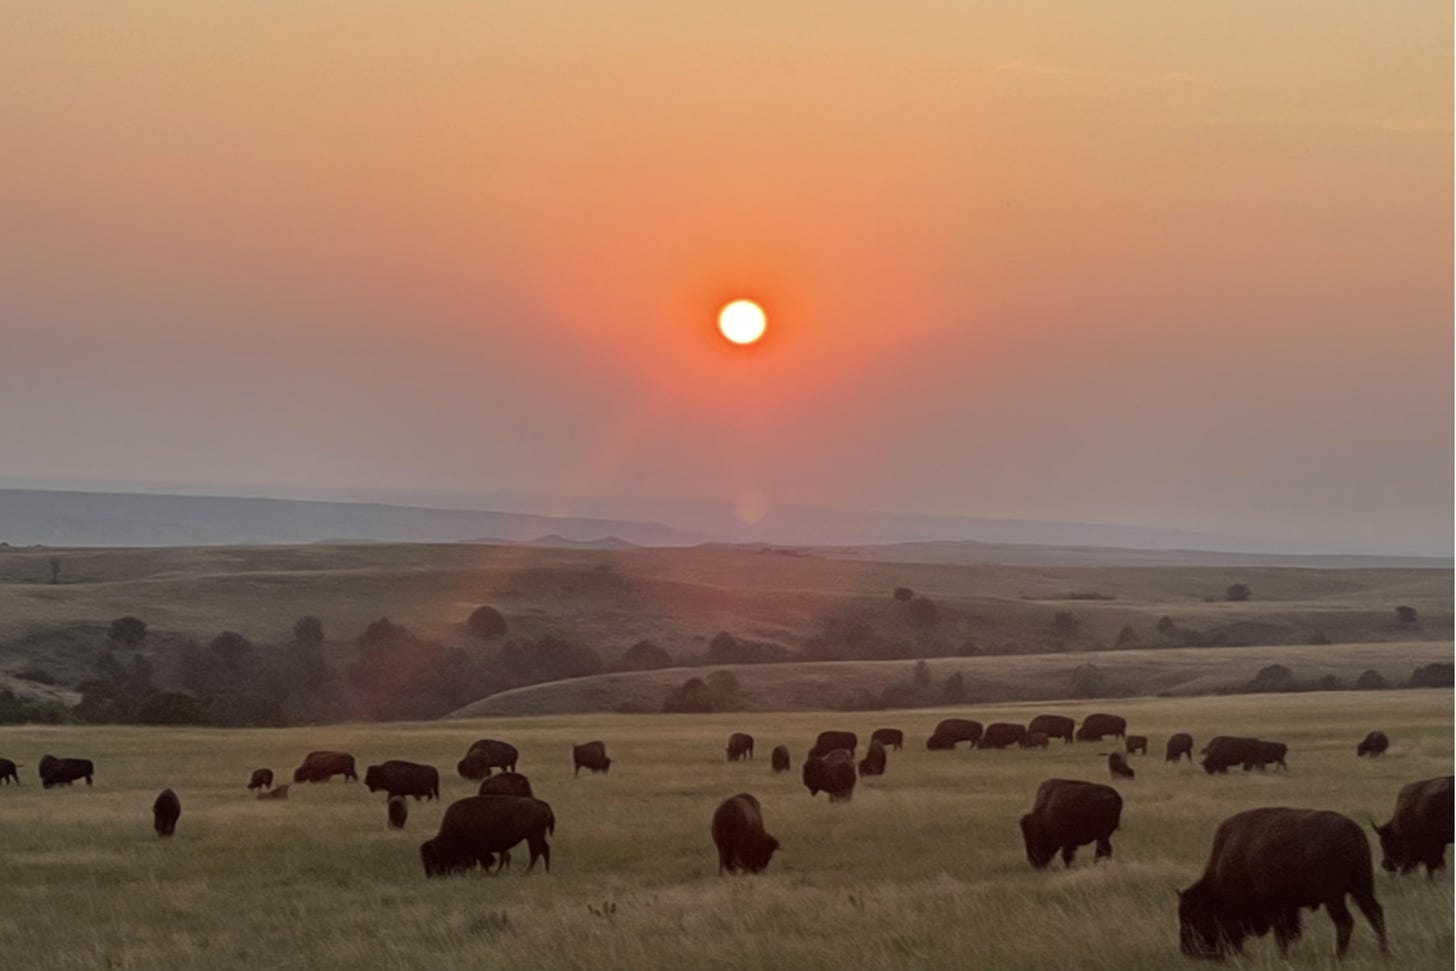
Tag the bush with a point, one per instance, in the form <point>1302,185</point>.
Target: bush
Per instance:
<point>1406,616</point>
<point>486,621</point>
<point>172,708</point>
<point>904,594</point>
<point>1088,682</point>
<point>1166,627</point>
<point>1237,593</point>
<point>1329,683</point>
<point>1371,680</point>
<point>1064,625</point>
<point>645,656</point>
<point>127,631</point>
<point>1441,674</point>
<point>719,692</point>
<point>724,648</point>
<point>1275,677</point>
<point>1318,638</point>
<point>1126,636</point>
<point>26,710</point>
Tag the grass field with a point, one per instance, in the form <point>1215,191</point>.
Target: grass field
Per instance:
<point>923,869</point>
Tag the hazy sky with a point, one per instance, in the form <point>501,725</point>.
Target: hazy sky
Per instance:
<point>1169,264</point>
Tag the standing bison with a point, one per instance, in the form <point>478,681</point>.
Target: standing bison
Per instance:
<point>506,784</point>
<point>740,746</point>
<point>261,779</point>
<point>832,773</point>
<point>1421,828</point>
<point>476,828</point>
<point>397,810</point>
<point>1095,727</point>
<point>1266,753</point>
<point>591,756</point>
<point>829,741</point>
<point>165,811</point>
<point>323,766</point>
<point>1054,726</point>
<point>1068,814</point>
<point>738,833</point>
<point>1137,745</point>
<point>63,772</point>
<point>953,730</point>
<point>780,758</point>
<point>486,754</point>
<point>1001,735</point>
<point>1266,865</point>
<point>1373,745</point>
<point>1118,767</point>
<point>889,738</point>
<point>1179,745</point>
<point>8,773</point>
<point>400,778</point>
<point>874,761</point>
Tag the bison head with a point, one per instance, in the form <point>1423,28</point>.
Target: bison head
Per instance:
<point>430,857</point>
<point>1200,932</point>
<point>761,854</point>
<point>372,781</point>
<point>1396,857</point>
<point>1039,850</point>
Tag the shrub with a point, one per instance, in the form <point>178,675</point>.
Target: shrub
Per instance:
<point>1088,682</point>
<point>1237,593</point>
<point>1064,625</point>
<point>1275,677</point>
<point>1441,674</point>
<point>724,648</point>
<point>1166,627</point>
<point>1126,636</point>
<point>1406,616</point>
<point>486,621</point>
<point>127,631</point>
<point>904,594</point>
<point>1371,680</point>
<point>645,656</point>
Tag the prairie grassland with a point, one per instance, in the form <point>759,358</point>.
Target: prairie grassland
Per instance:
<point>923,869</point>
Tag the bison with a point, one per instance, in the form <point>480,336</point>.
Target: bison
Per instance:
<point>1034,740</point>
<point>1137,745</point>
<point>261,779</point>
<point>1001,735</point>
<point>780,758</point>
<point>1117,765</point>
<point>1054,726</point>
<point>1095,727</point>
<point>829,741</point>
<point>1179,745</point>
<point>400,778</point>
<point>874,761</point>
<point>280,793</point>
<point>738,834</point>
<point>1263,753</point>
<point>952,731</point>
<point>591,756</point>
<point>165,811</point>
<point>476,828</point>
<point>485,754</point>
<point>8,773</point>
<point>1067,814</point>
<point>63,772</point>
<point>1224,751</point>
<point>323,766</point>
<point>889,738</point>
<point>832,773</point>
<point>506,784</point>
<point>1421,828</point>
<point>1266,865</point>
<point>397,810</point>
<point>1373,745</point>
<point>740,746</point>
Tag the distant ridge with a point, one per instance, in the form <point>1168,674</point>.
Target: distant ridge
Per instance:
<point>556,541</point>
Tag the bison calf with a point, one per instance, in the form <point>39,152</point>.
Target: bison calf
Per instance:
<point>738,833</point>
<point>780,758</point>
<point>8,773</point>
<point>874,761</point>
<point>1119,768</point>
<point>1137,745</point>
<point>889,737</point>
<point>1179,745</point>
<point>740,746</point>
<point>1068,814</point>
<point>1372,745</point>
<point>398,811</point>
<point>591,756</point>
<point>1421,828</point>
<point>165,811</point>
<point>261,779</point>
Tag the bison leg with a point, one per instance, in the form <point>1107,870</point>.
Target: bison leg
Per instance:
<point>1287,929</point>
<point>1069,853</point>
<point>1374,913</point>
<point>1104,848</point>
<point>1344,924</point>
<point>539,847</point>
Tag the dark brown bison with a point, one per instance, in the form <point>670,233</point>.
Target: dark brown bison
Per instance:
<point>1054,726</point>
<point>1421,828</point>
<point>1068,814</point>
<point>1095,727</point>
<point>323,766</point>
<point>398,811</point>
<point>740,746</point>
<point>833,773</point>
<point>400,778</point>
<point>63,772</point>
<point>1266,753</point>
<point>261,779</point>
<point>1001,735</point>
<point>1137,745</point>
<point>780,758</point>
<point>1373,745</point>
<point>485,754</point>
<point>952,731</point>
<point>889,738</point>
<point>506,784</point>
<point>8,773</point>
<point>1034,740</point>
<point>591,756</point>
<point>738,834</point>
<point>279,793</point>
<point>476,828</point>
<point>1117,765</point>
<point>1224,751</point>
<point>829,741</point>
<point>1266,865</point>
<point>165,811</point>
<point>1179,745</point>
<point>874,761</point>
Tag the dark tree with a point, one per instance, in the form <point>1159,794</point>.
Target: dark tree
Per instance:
<point>231,645</point>
<point>953,692</point>
<point>1441,674</point>
<point>55,570</point>
<point>1406,616</point>
<point>486,621</point>
<point>1371,680</point>
<point>645,656</point>
<point>923,677</point>
<point>172,708</point>
<point>381,631</point>
<point>1065,625</point>
<point>1126,636</point>
<point>1237,593</point>
<point>904,594</point>
<point>1166,627</point>
<point>1088,682</point>
<point>1275,677</point>
<point>127,631</point>
<point>922,613</point>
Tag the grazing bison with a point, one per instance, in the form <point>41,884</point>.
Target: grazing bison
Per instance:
<point>1373,745</point>
<point>1137,745</point>
<point>953,730</point>
<point>165,811</point>
<point>591,756</point>
<point>1034,740</point>
<point>832,773</point>
<point>1001,735</point>
<point>506,784</point>
<point>780,758</point>
<point>323,766</point>
<point>1179,745</point>
<point>740,746</point>
<point>280,793</point>
<point>63,772</point>
<point>874,761</point>
<point>400,778</point>
<point>1095,727</point>
<point>1421,828</point>
<point>1224,751</point>
<point>1264,753</point>
<point>738,834</point>
<point>1054,726</point>
<point>829,741</point>
<point>398,811</point>
<point>261,779</point>
<point>8,773</point>
<point>1266,865</point>
<point>486,754</point>
<point>476,828</point>
<point>889,738</point>
<point>1068,814</point>
<point>1119,768</point>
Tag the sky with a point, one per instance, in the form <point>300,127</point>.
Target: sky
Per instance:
<point>1179,265</point>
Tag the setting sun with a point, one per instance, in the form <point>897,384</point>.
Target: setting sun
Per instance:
<point>742,321</point>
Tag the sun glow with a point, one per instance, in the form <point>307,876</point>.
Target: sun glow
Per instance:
<point>742,321</point>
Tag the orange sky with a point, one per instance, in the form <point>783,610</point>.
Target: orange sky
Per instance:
<point>1139,262</point>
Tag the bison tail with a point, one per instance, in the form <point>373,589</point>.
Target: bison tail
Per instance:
<point>550,825</point>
